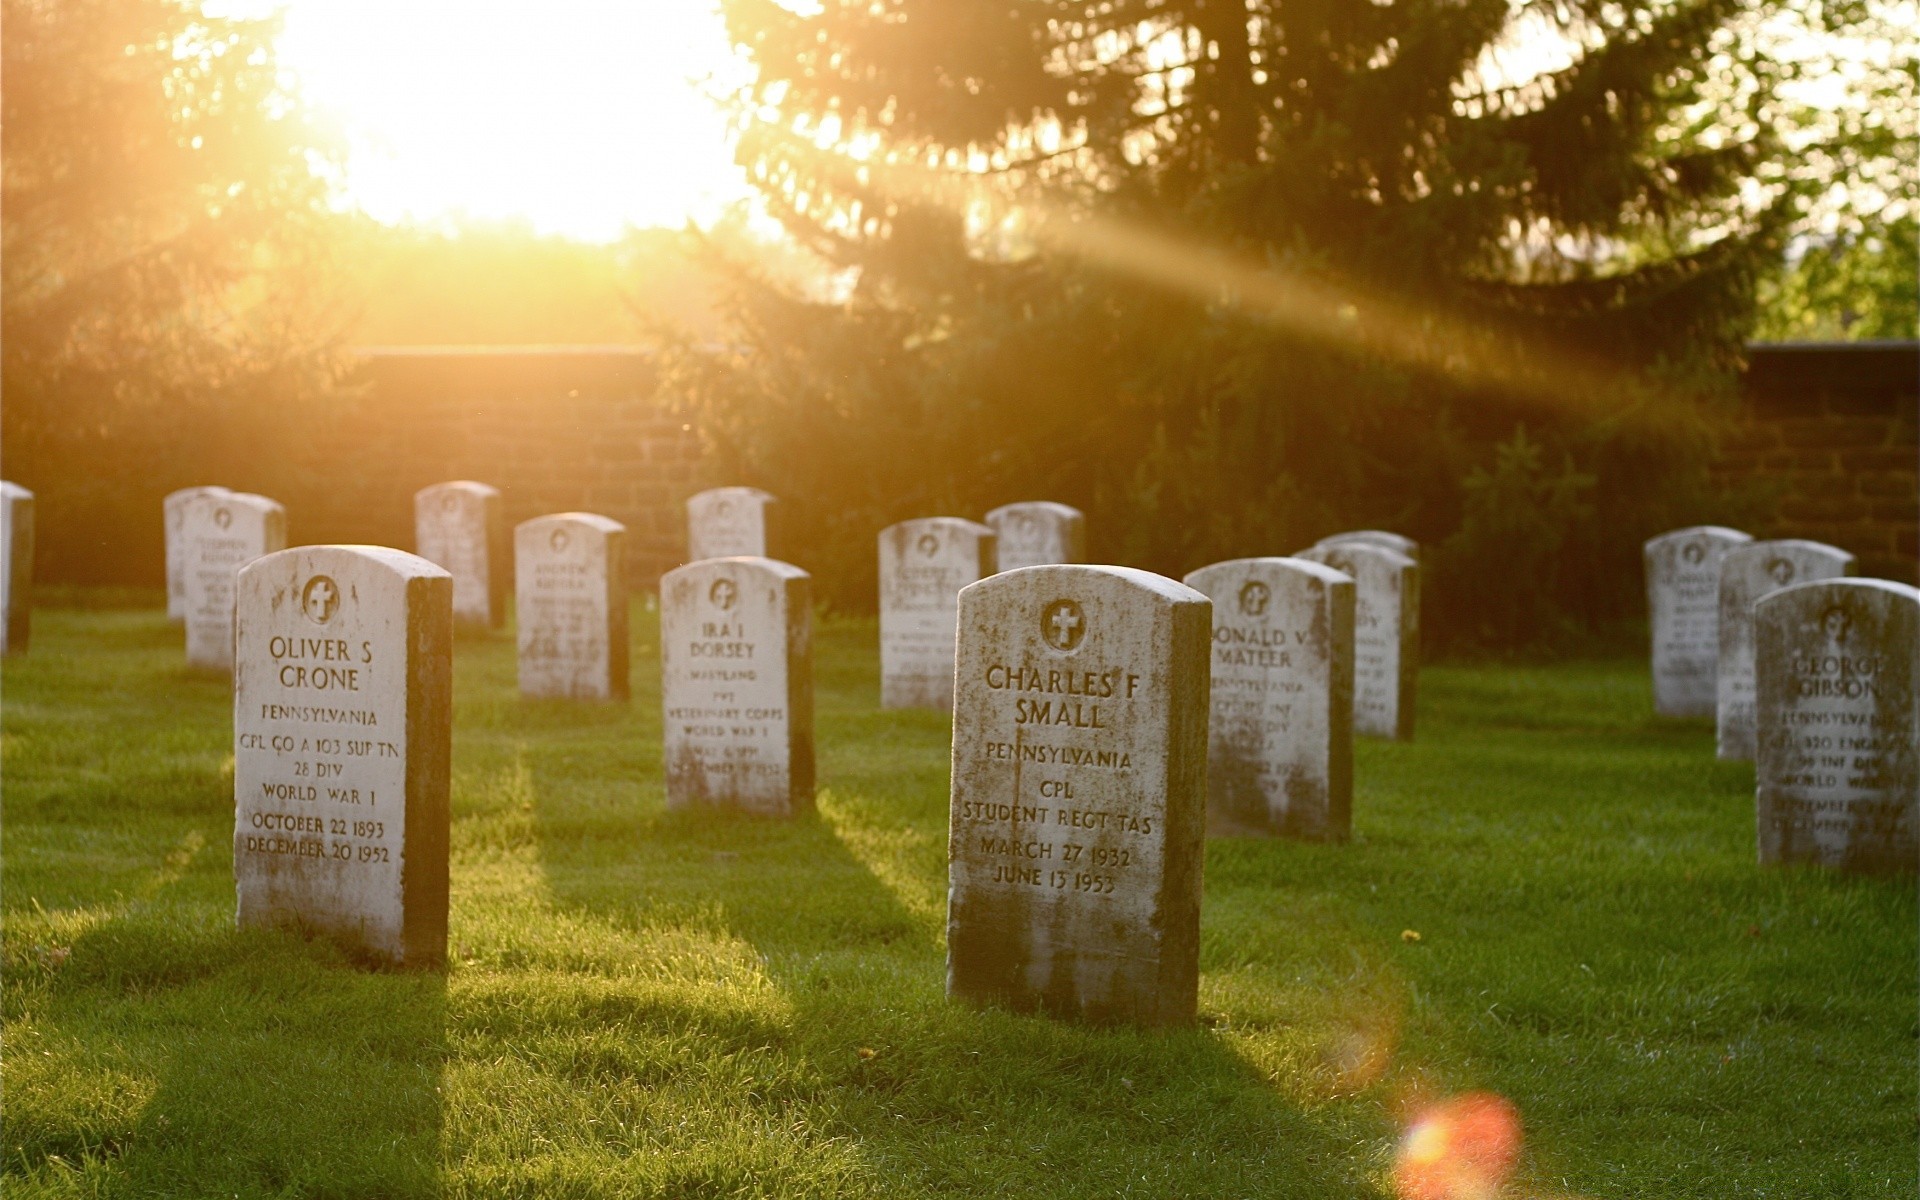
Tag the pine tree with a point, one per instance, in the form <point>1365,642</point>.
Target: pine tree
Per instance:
<point>1238,272</point>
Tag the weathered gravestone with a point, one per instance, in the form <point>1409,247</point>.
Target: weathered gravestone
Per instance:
<point>174,512</point>
<point>1837,724</point>
<point>16,567</point>
<point>923,566</point>
<point>1280,737</point>
<point>1079,794</point>
<point>1397,542</point>
<point>460,526</point>
<point>570,600</point>
<point>220,533</point>
<point>343,721</point>
<point>1036,533</point>
<point>1747,573</point>
<point>1386,633</point>
<point>728,522</point>
<point>1683,616</point>
<point>736,659</point>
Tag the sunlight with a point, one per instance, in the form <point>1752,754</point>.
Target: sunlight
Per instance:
<point>580,117</point>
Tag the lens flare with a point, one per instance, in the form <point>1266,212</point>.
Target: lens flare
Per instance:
<point>1462,1148</point>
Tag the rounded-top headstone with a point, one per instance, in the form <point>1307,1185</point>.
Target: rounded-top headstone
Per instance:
<point>1280,737</point>
<point>728,522</point>
<point>460,526</point>
<point>570,602</point>
<point>736,676</point>
<point>1386,633</point>
<point>1398,542</point>
<point>173,509</point>
<point>1747,573</point>
<point>1837,724</point>
<point>343,718</point>
<point>222,532</point>
<point>1034,533</point>
<point>923,565</point>
<point>16,567</point>
<point>1683,616</point>
<point>1078,812</point>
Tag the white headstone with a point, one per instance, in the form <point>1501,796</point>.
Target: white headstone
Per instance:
<point>1386,634</point>
<point>1397,542</point>
<point>1078,814</point>
<point>1037,533</point>
<point>736,674</point>
<point>1683,616</point>
<point>343,720</point>
<point>460,526</point>
<point>728,522</point>
<point>1280,757</point>
<point>923,566</point>
<point>570,589</point>
<point>1838,726</point>
<point>174,511</point>
<point>220,533</point>
<point>16,567</point>
<point>1747,573</point>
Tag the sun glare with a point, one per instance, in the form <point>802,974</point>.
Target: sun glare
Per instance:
<point>581,117</point>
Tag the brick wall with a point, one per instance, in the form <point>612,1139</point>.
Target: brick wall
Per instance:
<point>555,429</point>
<point>1828,438</point>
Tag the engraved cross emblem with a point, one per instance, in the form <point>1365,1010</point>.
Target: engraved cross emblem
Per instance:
<point>1063,625</point>
<point>320,599</point>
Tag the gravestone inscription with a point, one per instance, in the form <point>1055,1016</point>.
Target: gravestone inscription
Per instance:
<point>729,521</point>
<point>570,601</point>
<point>16,567</point>
<point>1683,616</point>
<point>1747,573</point>
<point>923,565</point>
<point>736,675</point>
<point>1386,634</point>
<point>1078,811</point>
<point>460,526</point>
<point>1837,724</point>
<point>1036,533</point>
<point>220,533</point>
<point>343,720</point>
<point>1280,735</point>
<point>173,510</point>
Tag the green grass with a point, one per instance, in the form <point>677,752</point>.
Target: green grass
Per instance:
<point>646,1004</point>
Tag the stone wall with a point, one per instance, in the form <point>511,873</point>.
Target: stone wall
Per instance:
<point>1829,440</point>
<point>556,429</point>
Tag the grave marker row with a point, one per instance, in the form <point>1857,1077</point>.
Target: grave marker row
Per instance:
<point>16,567</point>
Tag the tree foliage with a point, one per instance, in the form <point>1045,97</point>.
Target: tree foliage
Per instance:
<point>1234,273</point>
<point>164,276</point>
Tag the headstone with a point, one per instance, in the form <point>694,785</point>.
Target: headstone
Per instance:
<point>460,526</point>
<point>736,674</point>
<point>1397,542</point>
<point>1280,737</point>
<point>220,533</point>
<point>1386,634</point>
<point>1038,533</point>
<point>570,589</point>
<point>1683,616</point>
<point>1747,573</point>
<point>1078,813</point>
<point>923,565</point>
<point>174,511</point>
<point>1838,728</point>
<point>343,722</point>
<point>727,522</point>
<point>16,567</point>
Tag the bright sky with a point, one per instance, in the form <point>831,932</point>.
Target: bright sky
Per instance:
<point>580,116</point>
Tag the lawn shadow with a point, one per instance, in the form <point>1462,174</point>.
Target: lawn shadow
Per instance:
<point>163,1030</point>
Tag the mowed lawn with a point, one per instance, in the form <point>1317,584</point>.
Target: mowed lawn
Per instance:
<point>646,1004</point>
